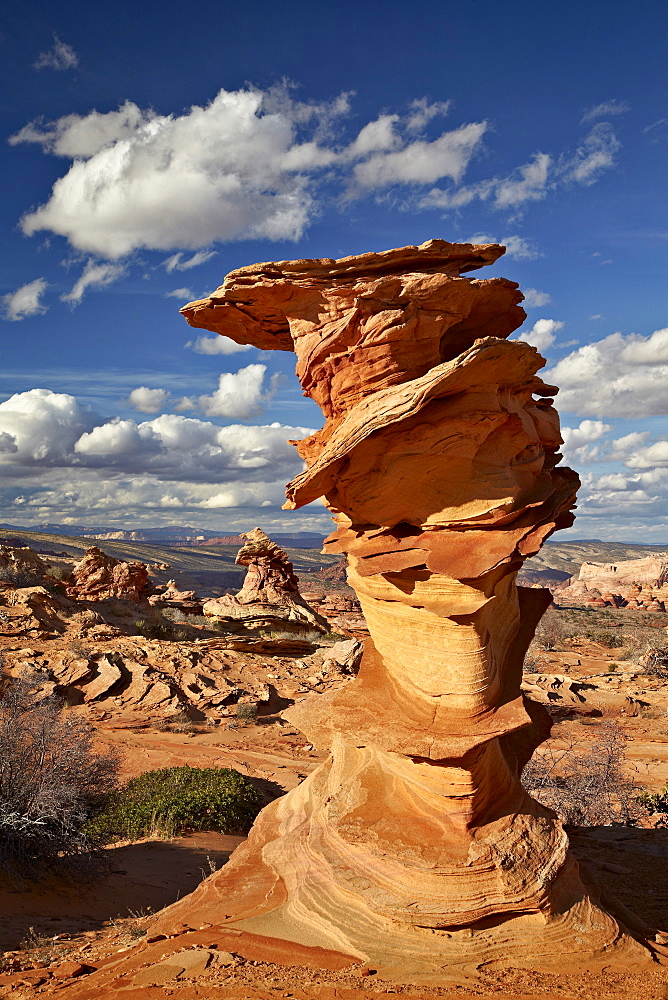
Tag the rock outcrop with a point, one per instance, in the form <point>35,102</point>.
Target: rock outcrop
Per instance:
<point>97,577</point>
<point>169,596</point>
<point>413,850</point>
<point>270,594</point>
<point>636,584</point>
<point>415,847</point>
<point>21,567</point>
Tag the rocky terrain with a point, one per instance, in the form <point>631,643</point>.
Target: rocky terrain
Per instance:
<point>592,675</point>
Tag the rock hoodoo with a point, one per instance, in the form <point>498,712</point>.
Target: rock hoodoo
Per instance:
<point>270,590</point>
<point>414,848</point>
<point>98,577</point>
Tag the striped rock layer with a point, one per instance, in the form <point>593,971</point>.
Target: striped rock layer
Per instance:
<point>414,849</point>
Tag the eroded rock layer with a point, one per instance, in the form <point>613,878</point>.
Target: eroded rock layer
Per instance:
<point>270,590</point>
<point>415,848</point>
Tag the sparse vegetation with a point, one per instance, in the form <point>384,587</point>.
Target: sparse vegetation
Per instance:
<point>603,637</point>
<point>585,788</point>
<point>21,576</point>
<point>57,573</point>
<point>655,803</point>
<point>246,711</point>
<point>175,800</point>
<point>51,779</point>
<point>654,662</point>
<point>550,631</point>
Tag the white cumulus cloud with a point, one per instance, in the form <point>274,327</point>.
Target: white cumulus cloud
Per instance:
<point>59,56</point>
<point>534,298</point>
<point>95,274</point>
<point>239,395</point>
<point>542,334</point>
<point>595,154</point>
<point>624,376</point>
<point>42,429</point>
<point>148,400</point>
<point>25,301</point>
<point>527,183</point>
<point>215,345</point>
<point>421,162</point>
<point>516,246</point>
<point>605,109</point>
<point>43,425</point>
<point>176,262</point>
<point>184,294</point>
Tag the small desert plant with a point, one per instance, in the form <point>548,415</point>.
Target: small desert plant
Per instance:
<point>603,637</point>
<point>174,800</point>
<point>21,575</point>
<point>656,802</point>
<point>179,723</point>
<point>178,617</point>
<point>246,711</point>
<point>585,788</point>
<point>51,778</point>
<point>154,629</point>
<point>57,573</point>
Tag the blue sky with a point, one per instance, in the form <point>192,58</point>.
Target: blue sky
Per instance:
<point>150,148</point>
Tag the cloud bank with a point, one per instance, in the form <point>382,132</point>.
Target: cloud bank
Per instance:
<point>257,164</point>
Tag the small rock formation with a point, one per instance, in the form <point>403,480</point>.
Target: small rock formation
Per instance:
<point>170,596</point>
<point>98,577</point>
<point>415,849</point>
<point>270,592</point>
<point>636,584</point>
<point>21,567</point>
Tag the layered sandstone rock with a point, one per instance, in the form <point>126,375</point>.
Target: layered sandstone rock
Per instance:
<point>169,596</point>
<point>632,583</point>
<point>270,592</point>
<point>98,577</point>
<point>20,566</point>
<point>415,847</point>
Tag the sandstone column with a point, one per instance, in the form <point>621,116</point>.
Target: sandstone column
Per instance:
<point>415,848</point>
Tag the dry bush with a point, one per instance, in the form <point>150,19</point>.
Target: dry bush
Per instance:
<point>51,779</point>
<point>550,631</point>
<point>21,575</point>
<point>654,661</point>
<point>585,788</point>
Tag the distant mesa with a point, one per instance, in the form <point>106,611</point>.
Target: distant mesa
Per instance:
<point>635,584</point>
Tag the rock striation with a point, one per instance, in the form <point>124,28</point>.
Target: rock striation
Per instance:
<point>97,577</point>
<point>169,596</point>
<point>415,848</point>
<point>270,592</point>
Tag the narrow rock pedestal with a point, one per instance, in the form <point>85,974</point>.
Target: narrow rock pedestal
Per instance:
<point>414,849</point>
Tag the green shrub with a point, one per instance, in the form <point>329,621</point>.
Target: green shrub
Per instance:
<point>603,638</point>
<point>176,800</point>
<point>657,802</point>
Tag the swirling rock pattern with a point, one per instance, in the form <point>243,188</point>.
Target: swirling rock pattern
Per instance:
<point>415,848</point>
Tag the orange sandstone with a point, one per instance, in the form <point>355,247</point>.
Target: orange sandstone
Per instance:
<point>415,846</point>
<point>414,850</point>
